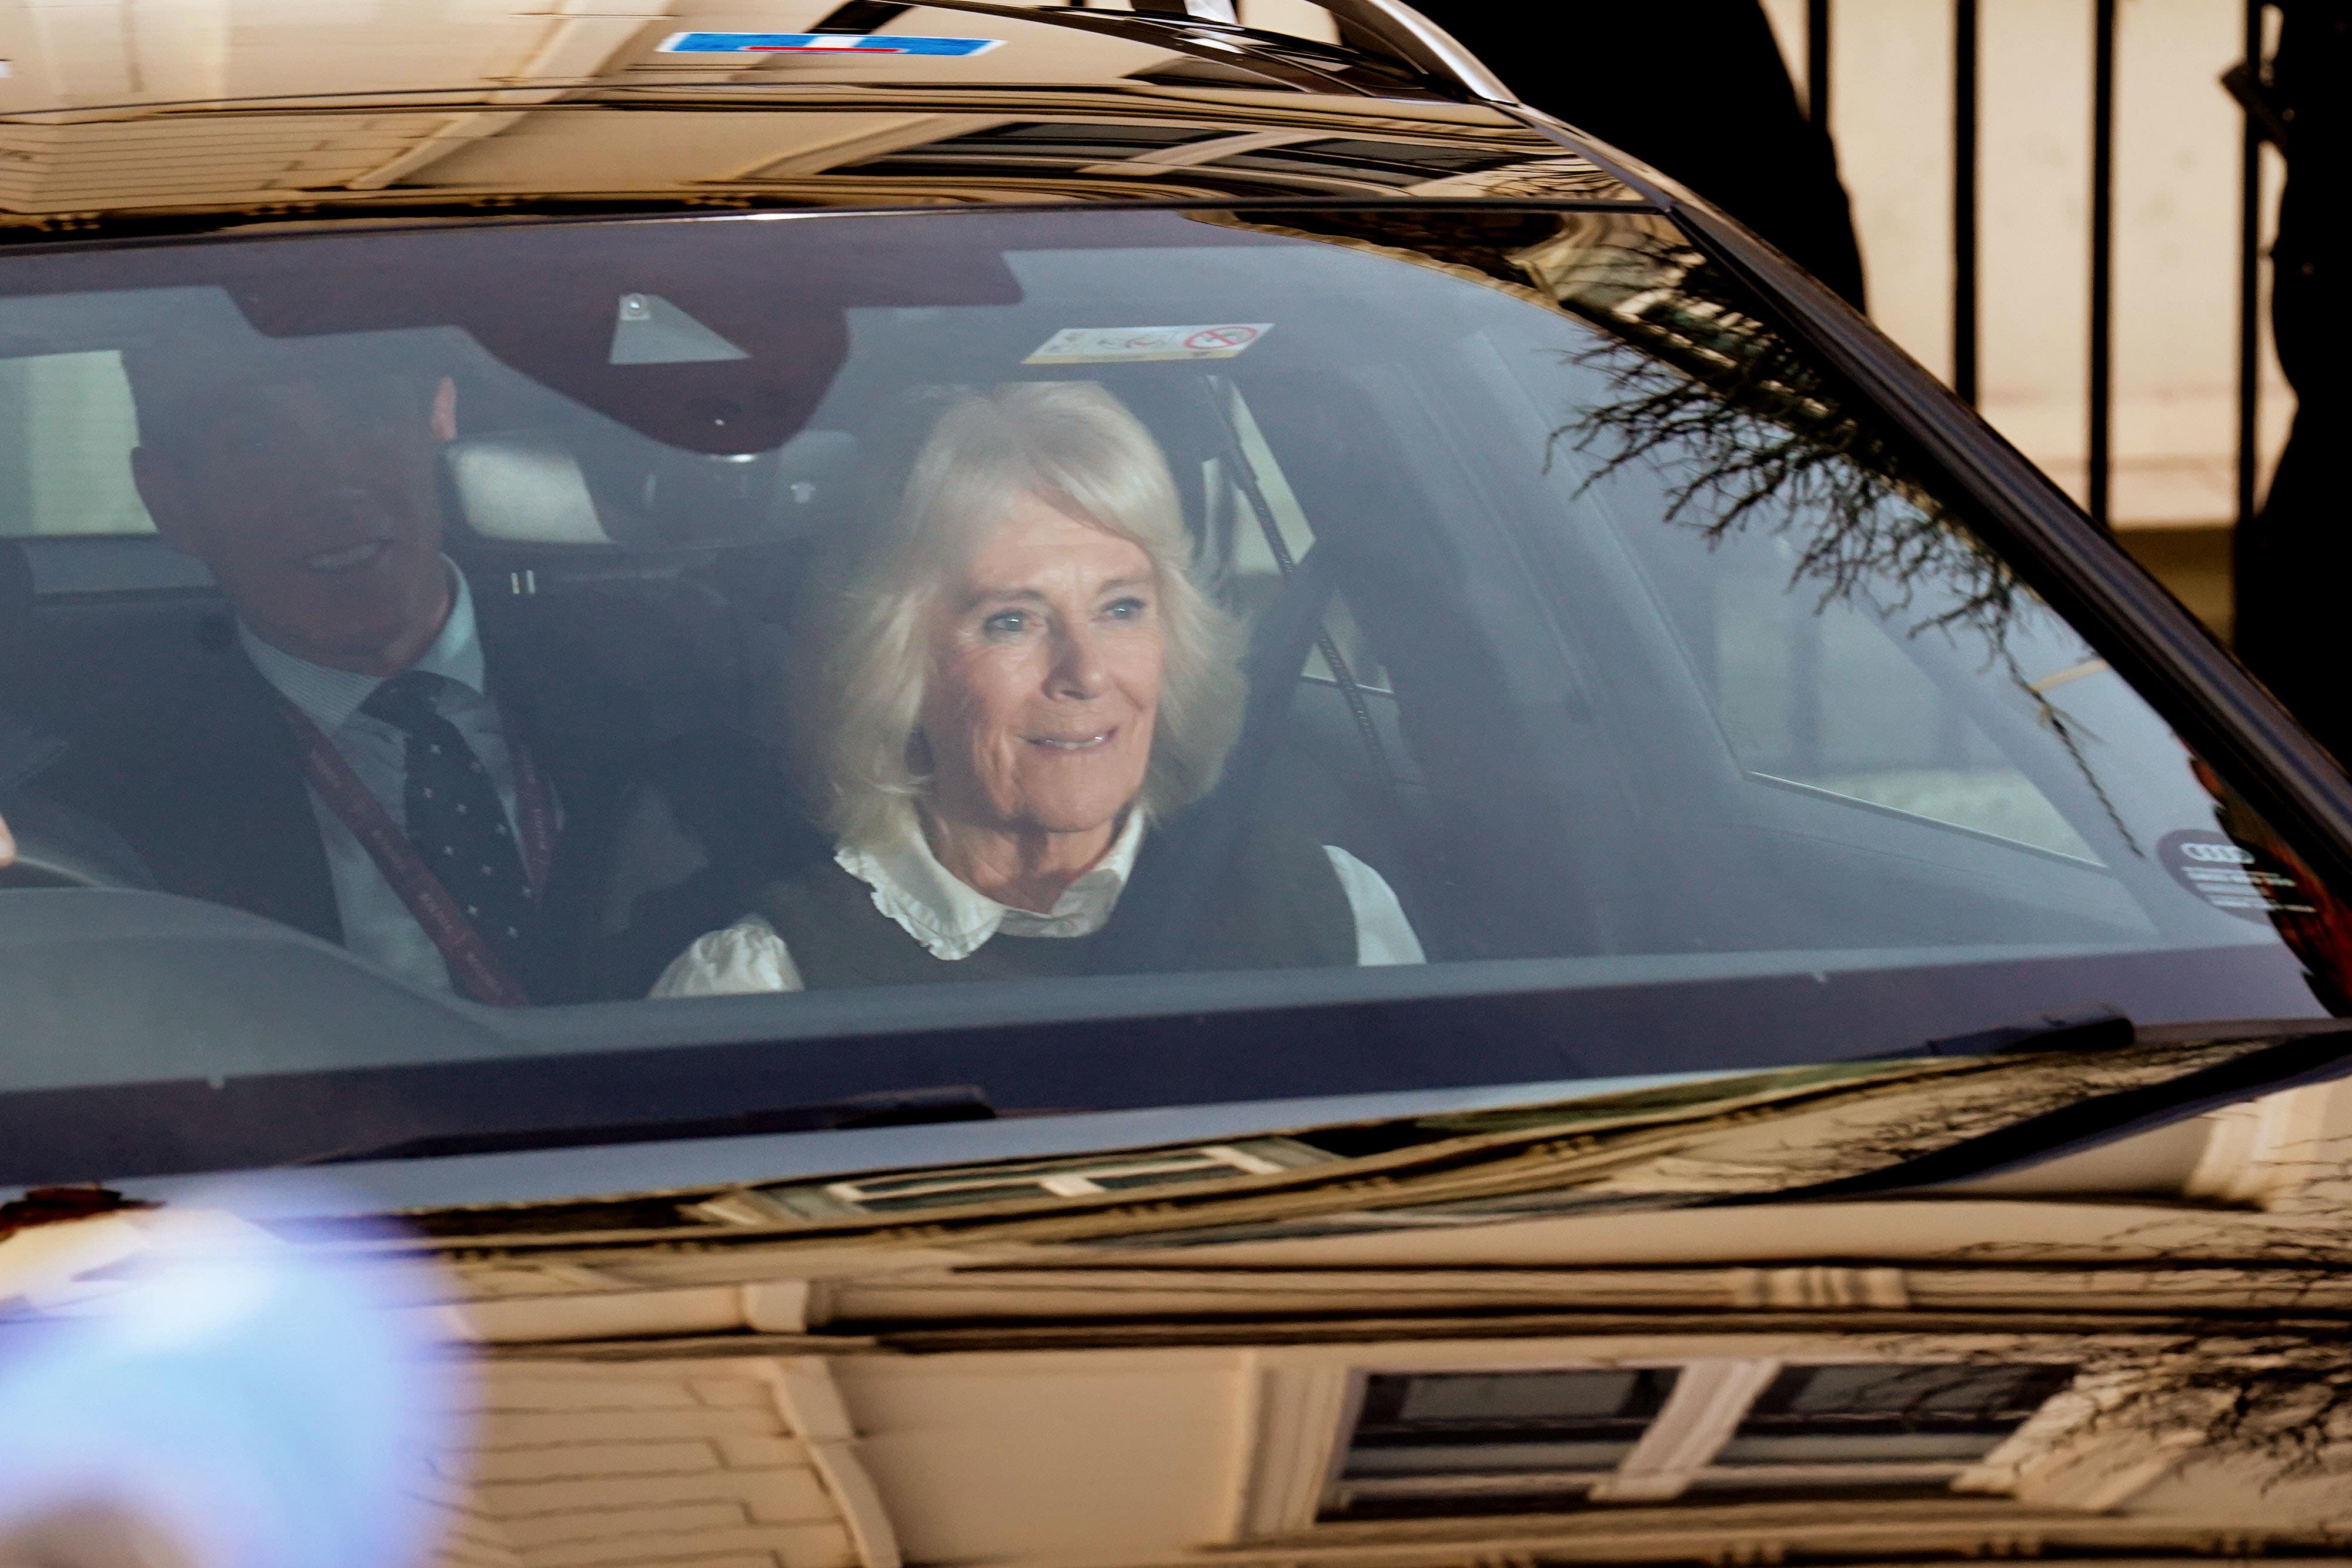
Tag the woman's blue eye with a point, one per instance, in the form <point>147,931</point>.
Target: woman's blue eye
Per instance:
<point>1126,609</point>
<point>1005,624</point>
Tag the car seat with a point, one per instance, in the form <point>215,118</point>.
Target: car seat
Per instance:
<point>55,846</point>
<point>618,583</point>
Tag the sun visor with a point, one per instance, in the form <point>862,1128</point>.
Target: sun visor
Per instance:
<point>712,335</point>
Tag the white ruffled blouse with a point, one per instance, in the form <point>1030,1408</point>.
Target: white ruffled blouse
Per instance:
<point>953,921</point>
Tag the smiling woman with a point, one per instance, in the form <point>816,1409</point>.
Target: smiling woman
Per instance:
<point>1017,677</point>
<point>1038,732</point>
<point>1167,618</point>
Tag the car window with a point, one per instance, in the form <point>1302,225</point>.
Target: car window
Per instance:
<point>1033,615</point>
<point>1824,695</point>
<point>67,426</point>
<point>1838,680</point>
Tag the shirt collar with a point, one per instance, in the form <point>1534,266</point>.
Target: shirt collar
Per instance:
<point>953,920</point>
<point>329,696</point>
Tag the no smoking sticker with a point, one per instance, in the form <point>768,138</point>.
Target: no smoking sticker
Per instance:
<point>1104,345</point>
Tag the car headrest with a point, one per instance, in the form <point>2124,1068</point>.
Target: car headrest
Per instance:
<point>531,488</point>
<point>15,578</point>
<point>16,601</point>
<point>815,474</point>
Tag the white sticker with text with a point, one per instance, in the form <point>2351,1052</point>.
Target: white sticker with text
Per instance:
<point>1101,345</point>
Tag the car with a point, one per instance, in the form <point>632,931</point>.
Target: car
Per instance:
<point>1588,923</point>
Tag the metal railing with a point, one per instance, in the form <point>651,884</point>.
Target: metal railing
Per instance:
<point>1965,331</point>
<point>1413,38</point>
<point>2250,280</point>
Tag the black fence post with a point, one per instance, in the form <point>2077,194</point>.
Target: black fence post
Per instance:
<point>1817,64</point>
<point>2250,282</point>
<point>2103,259</point>
<point>1964,52</point>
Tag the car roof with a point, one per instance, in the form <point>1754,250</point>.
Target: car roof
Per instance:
<point>310,110</point>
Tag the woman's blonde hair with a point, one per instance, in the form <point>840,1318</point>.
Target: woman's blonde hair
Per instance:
<point>1074,446</point>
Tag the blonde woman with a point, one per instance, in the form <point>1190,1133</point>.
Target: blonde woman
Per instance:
<point>1018,678</point>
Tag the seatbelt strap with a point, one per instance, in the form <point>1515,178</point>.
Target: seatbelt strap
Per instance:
<point>475,970</point>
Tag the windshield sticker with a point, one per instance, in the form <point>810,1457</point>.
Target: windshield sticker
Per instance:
<point>2228,875</point>
<point>1103,345</point>
<point>822,44</point>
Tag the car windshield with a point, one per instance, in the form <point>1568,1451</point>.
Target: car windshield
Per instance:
<point>795,632</point>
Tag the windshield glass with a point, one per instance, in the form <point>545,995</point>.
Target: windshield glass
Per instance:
<point>950,618</point>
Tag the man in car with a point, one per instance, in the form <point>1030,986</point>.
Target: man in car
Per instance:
<point>348,753</point>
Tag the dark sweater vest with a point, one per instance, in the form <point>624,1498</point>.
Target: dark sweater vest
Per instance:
<point>1283,909</point>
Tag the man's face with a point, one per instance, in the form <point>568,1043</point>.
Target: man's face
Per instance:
<point>314,505</point>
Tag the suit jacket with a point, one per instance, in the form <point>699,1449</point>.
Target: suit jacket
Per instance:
<point>183,748</point>
<point>194,765</point>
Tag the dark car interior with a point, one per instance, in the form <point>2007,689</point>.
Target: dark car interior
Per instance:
<point>1498,713</point>
<point>1649,801</point>
<point>670,644</point>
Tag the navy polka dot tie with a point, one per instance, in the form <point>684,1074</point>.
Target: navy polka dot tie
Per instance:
<point>456,822</point>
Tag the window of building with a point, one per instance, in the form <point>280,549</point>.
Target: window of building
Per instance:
<point>1543,1440</point>
<point>1446,1441</point>
<point>1093,1177</point>
<point>67,428</point>
<point>1900,1424</point>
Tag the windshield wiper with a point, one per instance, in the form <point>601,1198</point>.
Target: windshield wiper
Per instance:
<point>2100,1028</point>
<point>895,1108</point>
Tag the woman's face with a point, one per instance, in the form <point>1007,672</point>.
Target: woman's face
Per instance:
<point>1048,651</point>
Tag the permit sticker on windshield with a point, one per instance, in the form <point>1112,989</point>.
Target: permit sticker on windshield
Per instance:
<point>823,43</point>
<point>1104,345</point>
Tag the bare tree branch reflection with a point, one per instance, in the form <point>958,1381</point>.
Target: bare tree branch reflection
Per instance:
<point>1745,430</point>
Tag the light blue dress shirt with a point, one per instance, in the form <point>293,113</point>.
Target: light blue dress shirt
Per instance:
<point>376,923</point>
